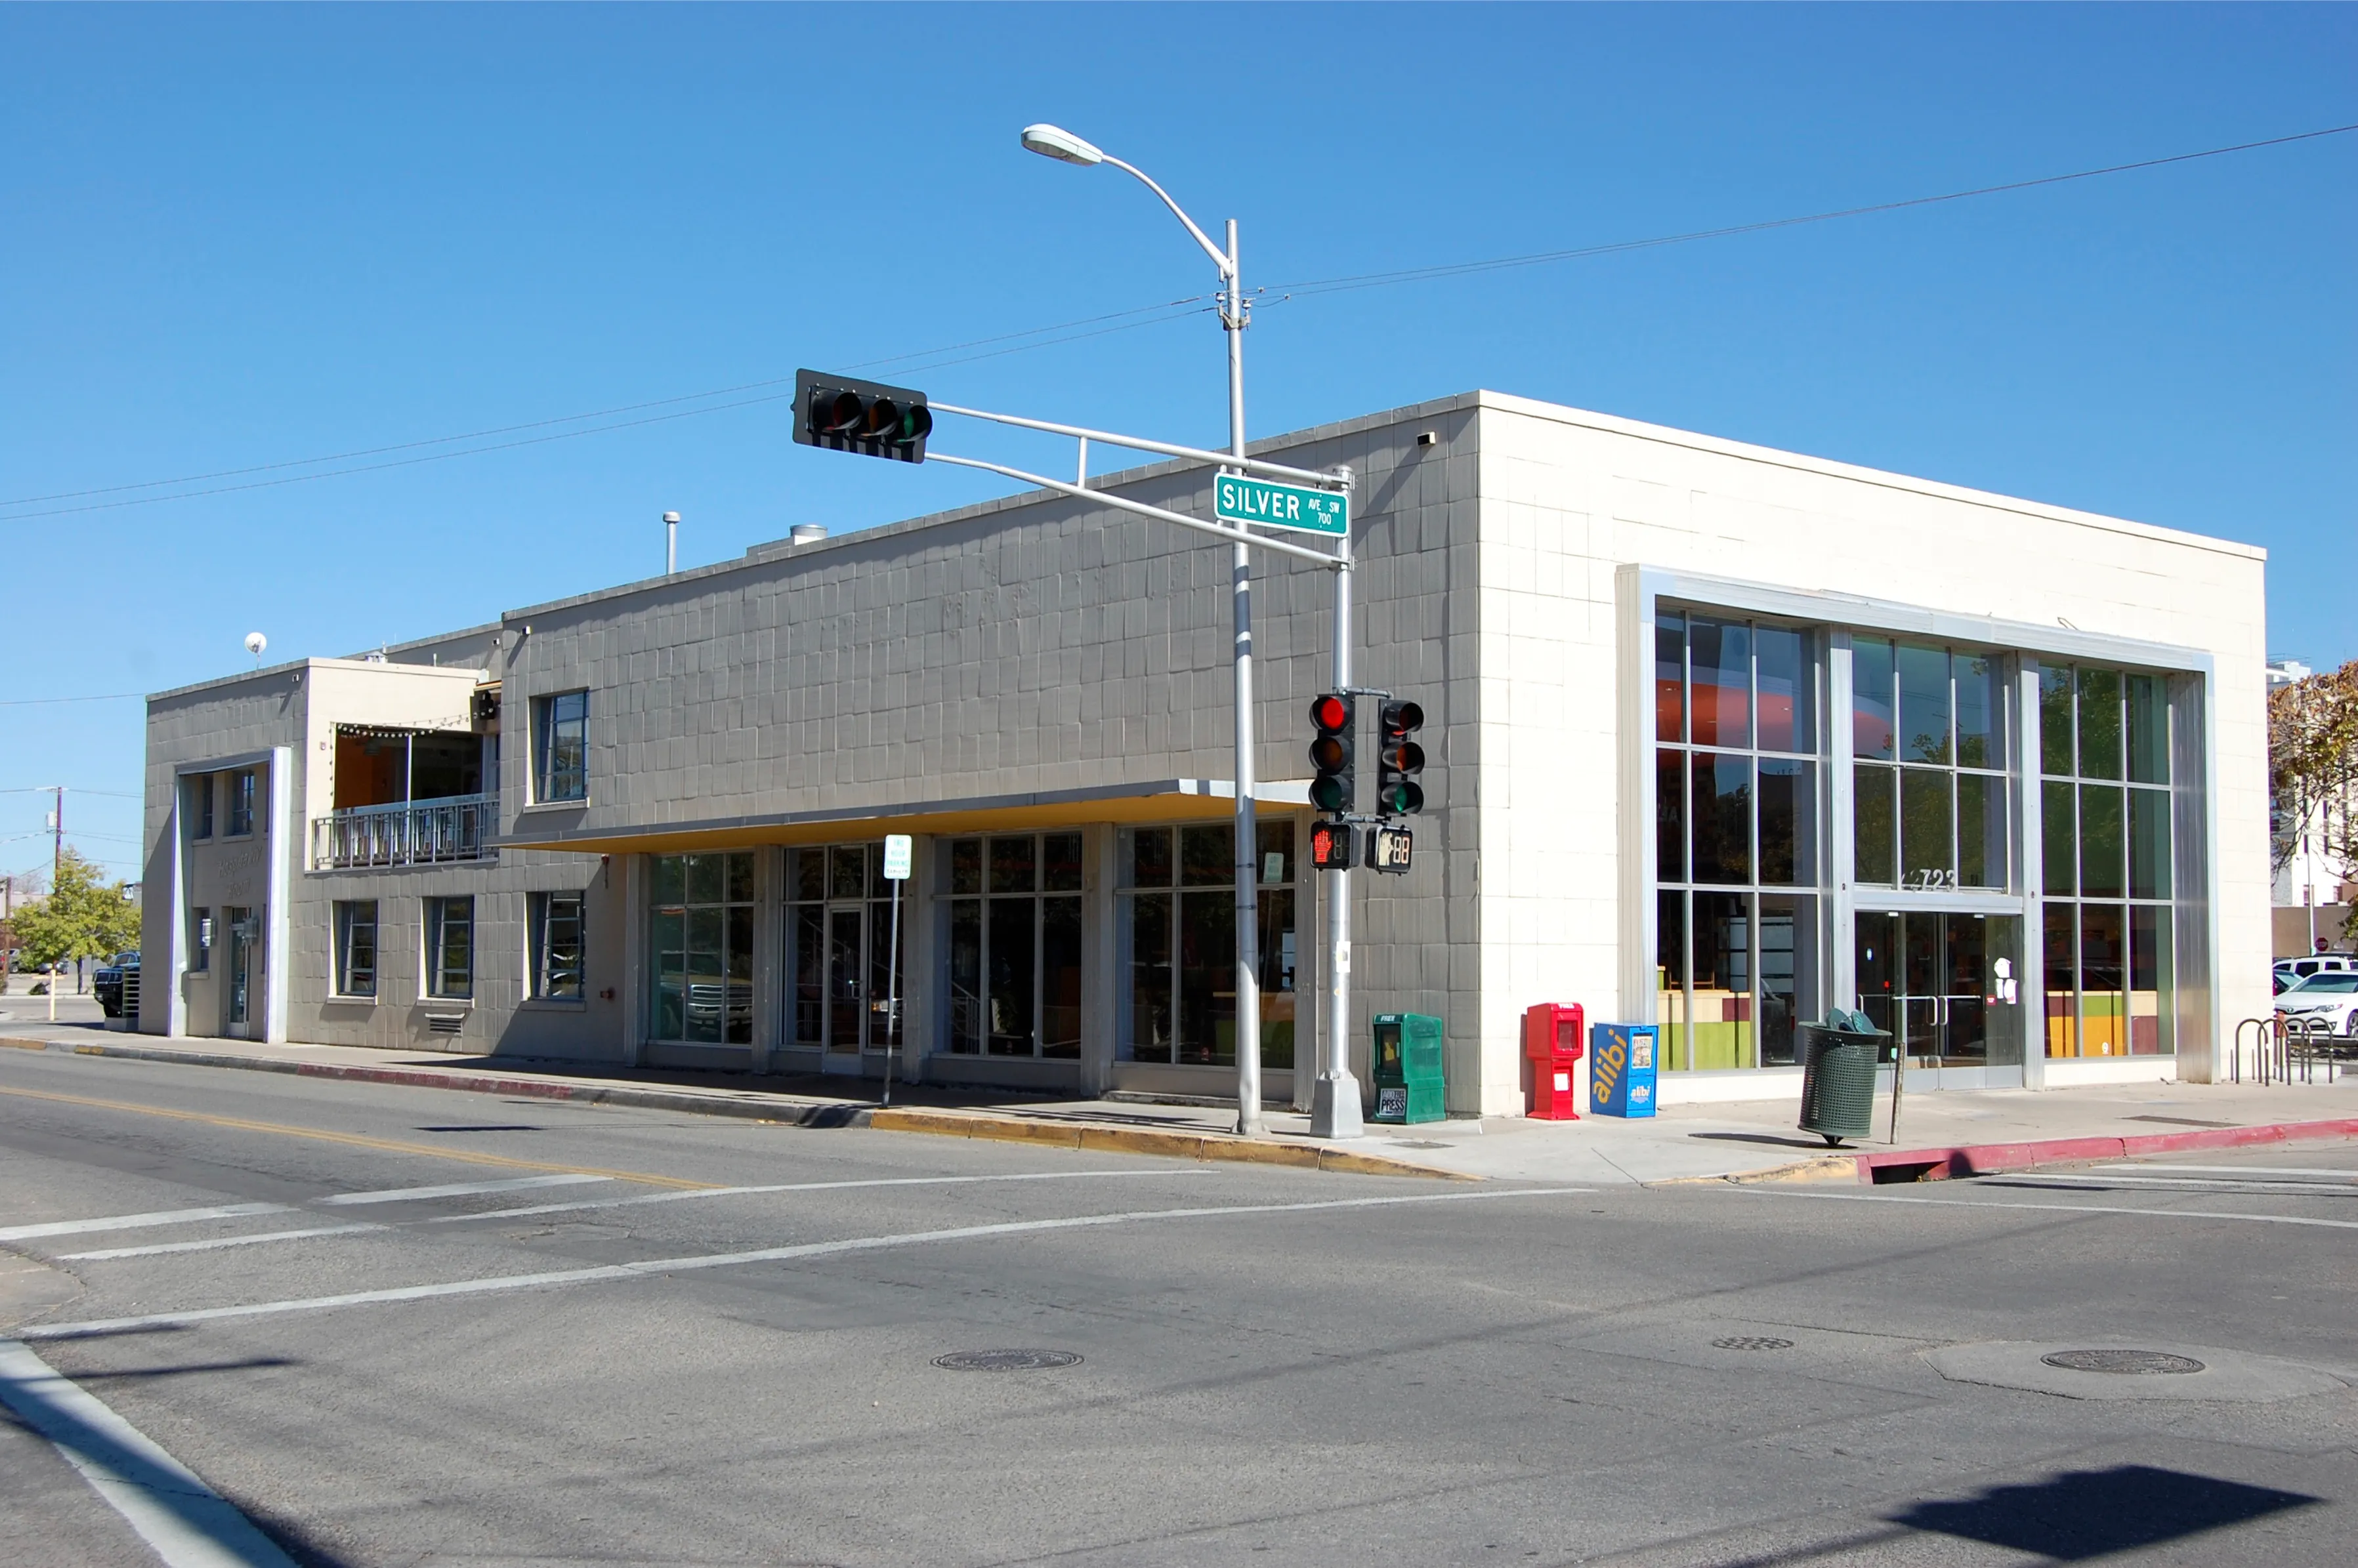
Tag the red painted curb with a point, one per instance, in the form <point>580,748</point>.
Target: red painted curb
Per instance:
<point>1984,1159</point>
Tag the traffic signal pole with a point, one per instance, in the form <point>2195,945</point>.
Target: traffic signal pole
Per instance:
<point>1335,1097</point>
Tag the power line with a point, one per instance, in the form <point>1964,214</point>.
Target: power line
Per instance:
<point>576,418</point>
<point>44,702</point>
<point>1152,315</point>
<point>1536,258</point>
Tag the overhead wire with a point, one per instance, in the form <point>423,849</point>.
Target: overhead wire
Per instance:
<point>1536,258</point>
<point>1003,344</point>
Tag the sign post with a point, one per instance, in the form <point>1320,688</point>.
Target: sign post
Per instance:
<point>897,848</point>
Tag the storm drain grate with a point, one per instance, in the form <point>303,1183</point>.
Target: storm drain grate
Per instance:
<point>1751,1342</point>
<point>1006,1361</point>
<point>2133,1363</point>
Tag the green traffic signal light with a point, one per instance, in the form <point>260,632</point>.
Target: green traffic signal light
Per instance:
<point>844,415</point>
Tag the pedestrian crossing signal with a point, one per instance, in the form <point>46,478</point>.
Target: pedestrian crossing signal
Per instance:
<point>1330,846</point>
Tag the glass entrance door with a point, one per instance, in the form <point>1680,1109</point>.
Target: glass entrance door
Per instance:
<point>1945,984</point>
<point>238,1004</point>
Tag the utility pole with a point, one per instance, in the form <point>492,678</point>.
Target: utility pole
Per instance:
<point>57,844</point>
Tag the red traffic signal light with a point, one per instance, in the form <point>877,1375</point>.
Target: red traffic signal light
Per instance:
<point>868,417</point>
<point>1334,788</point>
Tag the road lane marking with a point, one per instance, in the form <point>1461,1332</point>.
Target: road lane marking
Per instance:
<point>184,1521</point>
<point>2108,1178</point>
<point>655,1266</point>
<point>462,1188</point>
<point>797,1187</point>
<point>218,1242</point>
<point>359,1141</point>
<point>2261,1171</point>
<point>2005,1204</point>
<point>140,1221</point>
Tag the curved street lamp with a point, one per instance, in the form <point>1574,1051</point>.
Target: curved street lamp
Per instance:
<point>1054,142</point>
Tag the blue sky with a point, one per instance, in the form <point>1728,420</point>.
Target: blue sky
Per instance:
<point>249,236</point>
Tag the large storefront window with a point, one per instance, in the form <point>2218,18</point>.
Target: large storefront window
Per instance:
<point>1015,913</point>
<point>2109,874</point>
<point>1928,775</point>
<point>1179,947</point>
<point>700,935</point>
<point>1738,857</point>
<point>838,949</point>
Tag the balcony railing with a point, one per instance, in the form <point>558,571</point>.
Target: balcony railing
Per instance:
<point>407,832</point>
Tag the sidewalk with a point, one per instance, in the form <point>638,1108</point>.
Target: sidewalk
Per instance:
<point>1941,1135</point>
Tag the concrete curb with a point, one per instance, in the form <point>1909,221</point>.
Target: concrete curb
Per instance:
<point>788,1111</point>
<point>1154,1141</point>
<point>1889,1165</point>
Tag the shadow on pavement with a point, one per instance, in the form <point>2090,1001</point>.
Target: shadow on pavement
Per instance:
<point>2088,1513</point>
<point>1782,1141</point>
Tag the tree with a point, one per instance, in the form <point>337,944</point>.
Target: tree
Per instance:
<point>2313,769</point>
<point>83,917</point>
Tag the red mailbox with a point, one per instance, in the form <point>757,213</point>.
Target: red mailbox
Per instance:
<point>1552,1033</point>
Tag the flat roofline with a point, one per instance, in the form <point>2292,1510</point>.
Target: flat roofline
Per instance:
<point>277,674</point>
<point>1669,435</point>
<point>1152,800</point>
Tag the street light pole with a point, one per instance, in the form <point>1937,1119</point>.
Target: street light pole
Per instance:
<point>1050,141</point>
<point>1233,316</point>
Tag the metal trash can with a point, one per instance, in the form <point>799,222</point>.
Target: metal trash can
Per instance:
<point>1407,1069</point>
<point>1838,1080</point>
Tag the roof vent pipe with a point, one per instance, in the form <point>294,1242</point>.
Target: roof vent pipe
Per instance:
<point>671,542</point>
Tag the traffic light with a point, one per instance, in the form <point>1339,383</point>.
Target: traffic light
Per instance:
<point>868,417</point>
<point>1399,760</point>
<point>1334,789</point>
<point>1330,846</point>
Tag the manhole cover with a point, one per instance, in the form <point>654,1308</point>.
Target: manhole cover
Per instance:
<point>2135,1363</point>
<point>1005,1360</point>
<point>1751,1342</point>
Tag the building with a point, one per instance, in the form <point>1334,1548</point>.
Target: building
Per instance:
<point>1720,735</point>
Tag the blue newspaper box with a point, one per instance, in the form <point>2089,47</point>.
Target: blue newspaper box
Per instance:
<point>1621,1069</point>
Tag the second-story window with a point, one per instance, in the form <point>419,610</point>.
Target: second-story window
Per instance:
<point>560,767</point>
<point>199,787</point>
<point>243,788</point>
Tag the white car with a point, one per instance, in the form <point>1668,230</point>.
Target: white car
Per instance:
<point>2328,1001</point>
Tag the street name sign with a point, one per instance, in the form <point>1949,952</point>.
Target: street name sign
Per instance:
<point>1235,498</point>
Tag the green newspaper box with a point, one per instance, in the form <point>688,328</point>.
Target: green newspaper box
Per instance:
<point>1408,1079</point>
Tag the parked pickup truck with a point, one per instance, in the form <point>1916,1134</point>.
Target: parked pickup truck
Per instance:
<point>107,983</point>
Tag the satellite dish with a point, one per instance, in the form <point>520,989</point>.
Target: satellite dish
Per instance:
<point>255,643</point>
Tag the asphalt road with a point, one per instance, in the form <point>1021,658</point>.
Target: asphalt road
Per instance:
<point>704,1341</point>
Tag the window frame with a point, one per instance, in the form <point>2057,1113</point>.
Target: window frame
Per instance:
<point>1678,892</point>
<point>2146,921</point>
<point>244,803</point>
<point>553,784</point>
<point>198,790</point>
<point>540,924</point>
<point>436,926</point>
<point>347,921</point>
